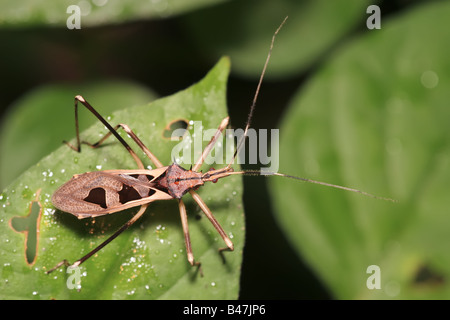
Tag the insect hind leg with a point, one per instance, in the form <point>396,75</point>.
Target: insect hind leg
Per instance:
<point>214,222</point>
<point>103,244</point>
<point>113,131</point>
<point>187,238</point>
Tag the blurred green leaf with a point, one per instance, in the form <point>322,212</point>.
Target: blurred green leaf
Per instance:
<point>148,261</point>
<point>95,12</point>
<point>376,117</point>
<point>39,122</point>
<point>236,29</point>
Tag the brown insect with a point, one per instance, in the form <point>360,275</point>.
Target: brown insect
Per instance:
<point>93,194</point>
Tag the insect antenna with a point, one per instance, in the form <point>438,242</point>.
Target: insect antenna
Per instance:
<point>268,173</point>
<point>255,98</point>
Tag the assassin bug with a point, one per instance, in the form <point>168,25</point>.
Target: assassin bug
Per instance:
<point>93,194</point>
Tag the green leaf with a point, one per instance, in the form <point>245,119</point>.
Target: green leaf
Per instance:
<point>376,118</point>
<point>95,12</point>
<point>38,123</point>
<point>148,261</point>
<point>313,27</point>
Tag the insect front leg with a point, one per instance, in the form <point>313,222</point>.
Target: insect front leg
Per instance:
<point>211,144</point>
<point>103,244</point>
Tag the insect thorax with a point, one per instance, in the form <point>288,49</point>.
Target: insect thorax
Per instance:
<point>178,181</point>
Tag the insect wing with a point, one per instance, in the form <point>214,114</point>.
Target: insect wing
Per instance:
<point>103,192</point>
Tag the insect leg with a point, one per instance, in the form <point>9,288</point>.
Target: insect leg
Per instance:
<point>213,220</point>
<point>187,238</point>
<point>141,145</point>
<point>211,144</point>
<point>114,132</point>
<point>138,141</point>
<point>104,243</point>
